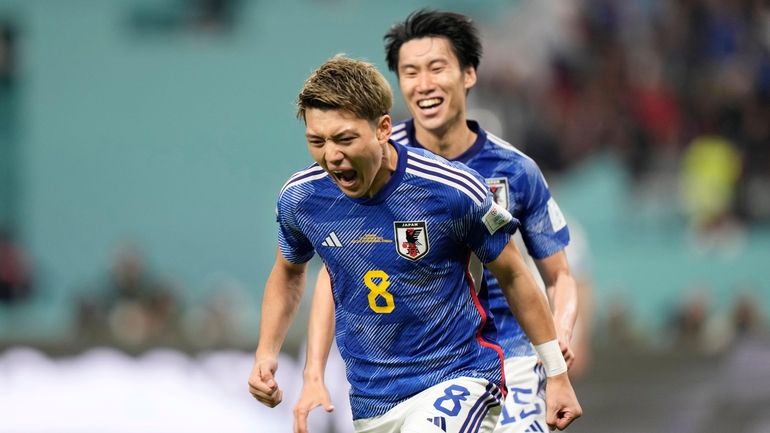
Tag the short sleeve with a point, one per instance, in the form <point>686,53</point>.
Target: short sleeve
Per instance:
<point>294,245</point>
<point>486,227</point>
<point>543,226</point>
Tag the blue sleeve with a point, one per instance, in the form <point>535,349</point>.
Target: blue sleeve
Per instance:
<point>543,226</point>
<point>294,245</point>
<point>485,227</point>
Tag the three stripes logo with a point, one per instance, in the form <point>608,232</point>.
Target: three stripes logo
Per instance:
<point>332,241</point>
<point>438,421</point>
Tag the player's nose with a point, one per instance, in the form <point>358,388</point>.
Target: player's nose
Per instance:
<point>424,83</point>
<point>333,153</point>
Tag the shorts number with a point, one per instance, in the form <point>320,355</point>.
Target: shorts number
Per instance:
<point>377,282</point>
<point>454,394</point>
<point>516,394</point>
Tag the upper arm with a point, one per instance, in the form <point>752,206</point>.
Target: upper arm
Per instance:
<point>508,265</point>
<point>287,272</point>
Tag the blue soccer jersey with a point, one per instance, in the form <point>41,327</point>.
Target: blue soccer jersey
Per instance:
<point>407,313</point>
<point>518,185</point>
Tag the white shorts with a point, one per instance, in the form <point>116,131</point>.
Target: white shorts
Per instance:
<point>524,408</point>
<point>462,405</point>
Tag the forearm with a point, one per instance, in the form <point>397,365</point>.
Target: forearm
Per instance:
<point>564,303</point>
<point>524,297</point>
<point>320,328</point>
<point>531,310</point>
<point>283,292</point>
<point>562,292</point>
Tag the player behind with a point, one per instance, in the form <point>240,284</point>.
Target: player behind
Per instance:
<point>435,55</point>
<point>396,228</point>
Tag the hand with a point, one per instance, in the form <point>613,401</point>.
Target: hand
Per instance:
<point>567,353</point>
<point>262,384</point>
<point>561,404</point>
<point>314,394</point>
<point>565,337</point>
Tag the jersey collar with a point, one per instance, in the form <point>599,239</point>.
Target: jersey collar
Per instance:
<point>481,138</point>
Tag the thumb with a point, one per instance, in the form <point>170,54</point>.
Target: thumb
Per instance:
<point>267,377</point>
<point>564,421</point>
<point>326,403</point>
<point>550,418</point>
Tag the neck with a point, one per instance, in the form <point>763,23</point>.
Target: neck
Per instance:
<point>388,167</point>
<point>449,142</point>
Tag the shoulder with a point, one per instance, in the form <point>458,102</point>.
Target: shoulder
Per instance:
<point>517,163</point>
<point>309,178</point>
<point>446,175</point>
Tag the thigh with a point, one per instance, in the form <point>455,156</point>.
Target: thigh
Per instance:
<point>524,407</point>
<point>462,405</point>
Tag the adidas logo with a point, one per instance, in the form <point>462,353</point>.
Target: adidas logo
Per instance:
<point>332,241</point>
<point>438,421</point>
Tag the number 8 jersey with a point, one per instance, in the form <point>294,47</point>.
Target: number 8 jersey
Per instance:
<point>407,313</point>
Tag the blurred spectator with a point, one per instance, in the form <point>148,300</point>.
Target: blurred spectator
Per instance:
<point>711,169</point>
<point>131,305</point>
<point>15,272</point>
<point>7,53</point>
<point>619,327</point>
<point>640,79</point>
<point>689,321</point>
<point>746,317</point>
<point>217,322</point>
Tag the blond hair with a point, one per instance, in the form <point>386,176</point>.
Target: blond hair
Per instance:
<point>342,83</point>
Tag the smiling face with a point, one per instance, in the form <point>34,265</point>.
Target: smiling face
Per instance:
<point>354,152</point>
<point>433,83</point>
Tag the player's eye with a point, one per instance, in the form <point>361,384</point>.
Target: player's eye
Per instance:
<point>346,140</point>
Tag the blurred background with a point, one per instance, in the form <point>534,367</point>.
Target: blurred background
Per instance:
<point>143,143</point>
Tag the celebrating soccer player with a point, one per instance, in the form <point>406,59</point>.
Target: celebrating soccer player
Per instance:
<point>435,55</point>
<point>396,227</point>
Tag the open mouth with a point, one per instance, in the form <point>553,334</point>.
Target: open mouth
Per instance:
<point>429,103</point>
<point>345,177</point>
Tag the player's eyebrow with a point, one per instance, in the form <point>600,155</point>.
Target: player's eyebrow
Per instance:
<point>344,132</point>
<point>432,62</point>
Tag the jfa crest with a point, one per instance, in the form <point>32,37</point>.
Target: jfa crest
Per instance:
<point>499,188</point>
<point>411,239</point>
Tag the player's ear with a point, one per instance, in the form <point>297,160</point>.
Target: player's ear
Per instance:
<point>384,128</point>
<point>469,77</point>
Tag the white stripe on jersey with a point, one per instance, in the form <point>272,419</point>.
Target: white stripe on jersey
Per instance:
<point>399,136</point>
<point>448,170</point>
<point>505,145</point>
<point>445,182</point>
<point>312,173</point>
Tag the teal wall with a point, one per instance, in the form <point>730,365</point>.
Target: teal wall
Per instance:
<point>181,142</point>
<point>178,141</point>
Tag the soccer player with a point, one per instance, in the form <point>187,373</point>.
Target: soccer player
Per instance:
<point>396,227</point>
<point>435,55</point>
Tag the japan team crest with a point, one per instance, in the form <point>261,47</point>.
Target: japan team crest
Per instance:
<point>411,239</point>
<point>499,188</point>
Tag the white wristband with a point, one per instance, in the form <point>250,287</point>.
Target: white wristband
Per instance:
<point>553,361</point>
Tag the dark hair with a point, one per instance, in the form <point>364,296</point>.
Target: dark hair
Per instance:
<point>457,28</point>
<point>342,83</point>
